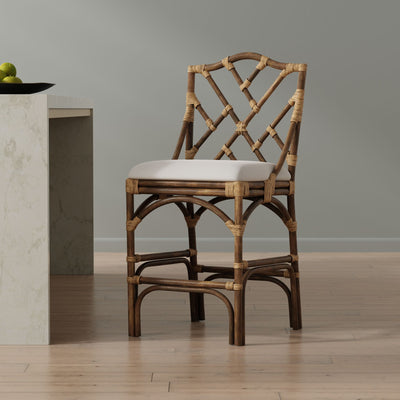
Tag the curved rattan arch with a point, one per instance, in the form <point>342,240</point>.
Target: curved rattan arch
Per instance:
<point>157,263</point>
<point>257,274</point>
<point>242,56</point>
<point>213,292</point>
<point>275,206</point>
<point>155,198</point>
<point>179,199</point>
<point>213,201</point>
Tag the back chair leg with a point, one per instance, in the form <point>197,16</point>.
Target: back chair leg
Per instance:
<point>196,299</point>
<point>295,289</point>
<point>200,302</point>
<point>295,280</point>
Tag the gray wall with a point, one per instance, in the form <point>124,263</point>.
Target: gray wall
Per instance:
<point>130,57</point>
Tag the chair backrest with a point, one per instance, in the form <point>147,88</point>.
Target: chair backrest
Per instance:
<point>288,146</point>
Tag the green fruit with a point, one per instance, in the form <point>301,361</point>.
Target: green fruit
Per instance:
<point>2,75</point>
<point>11,79</point>
<point>8,68</point>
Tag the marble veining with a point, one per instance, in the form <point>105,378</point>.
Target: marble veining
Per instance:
<point>24,244</point>
<point>25,211</point>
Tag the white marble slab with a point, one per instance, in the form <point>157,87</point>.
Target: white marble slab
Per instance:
<point>24,205</point>
<point>24,214</point>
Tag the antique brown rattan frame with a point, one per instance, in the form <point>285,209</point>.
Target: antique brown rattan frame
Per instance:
<point>183,194</point>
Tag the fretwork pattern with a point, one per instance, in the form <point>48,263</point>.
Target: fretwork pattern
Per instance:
<point>192,103</point>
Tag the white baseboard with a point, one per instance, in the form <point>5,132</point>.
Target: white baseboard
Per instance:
<point>252,244</point>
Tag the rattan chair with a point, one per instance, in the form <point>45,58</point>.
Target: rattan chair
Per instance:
<point>180,182</point>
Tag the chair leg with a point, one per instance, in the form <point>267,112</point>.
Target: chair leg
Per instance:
<point>239,318</point>
<point>201,310</point>
<point>299,317</point>
<point>132,298</point>
<point>132,289</point>
<point>239,322</point>
<point>196,299</point>
<point>296,319</point>
<point>296,303</point>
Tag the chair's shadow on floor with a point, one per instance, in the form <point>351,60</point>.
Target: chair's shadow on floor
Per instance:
<point>86,308</point>
<point>90,309</point>
<point>93,309</point>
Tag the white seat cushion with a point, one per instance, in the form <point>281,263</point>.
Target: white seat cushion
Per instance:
<point>206,170</point>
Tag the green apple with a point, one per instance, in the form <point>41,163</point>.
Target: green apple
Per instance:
<point>11,79</point>
<point>8,68</point>
<point>2,75</point>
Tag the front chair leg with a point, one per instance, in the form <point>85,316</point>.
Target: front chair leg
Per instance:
<point>132,289</point>
<point>239,318</point>
<point>238,230</point>
<point>132,298</point>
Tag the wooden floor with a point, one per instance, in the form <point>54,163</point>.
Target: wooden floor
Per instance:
<point>348,349</point>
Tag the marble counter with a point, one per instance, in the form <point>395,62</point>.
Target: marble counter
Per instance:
<point>46,206</point>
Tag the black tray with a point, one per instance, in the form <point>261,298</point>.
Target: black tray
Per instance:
<point>24,88</point>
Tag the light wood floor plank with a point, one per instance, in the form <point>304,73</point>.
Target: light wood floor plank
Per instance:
<point>349,348</point>
<point>338,396</point>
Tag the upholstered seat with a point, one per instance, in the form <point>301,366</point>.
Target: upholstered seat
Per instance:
<point>207,170</point>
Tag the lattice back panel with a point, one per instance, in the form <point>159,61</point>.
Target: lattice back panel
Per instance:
<point>239,121</point>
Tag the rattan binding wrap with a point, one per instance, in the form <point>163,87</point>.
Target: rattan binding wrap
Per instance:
<point>298,106</point>
<point>189,154</point>
<point>269,187</point>
<point>132,186</point>
<point>241,265</point>
<point>291,160</point>
<point>256,145</point>
<point>245,85</point>
<point>226,150</point>
<point>196,68</point>
<point>233,189</point>
<point>228,65</point>
<point>293,68</point>
<point>241,127</point>
<point>131,225</point>
<point>263,63</point>
<point>189,113</point>
<point>291,225</point>
<point>226,110</point>
<point>210,124</point>
<point>271,131</point>
<point>254,107</point>
<point>237,230</point>
<point>191,99</point>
